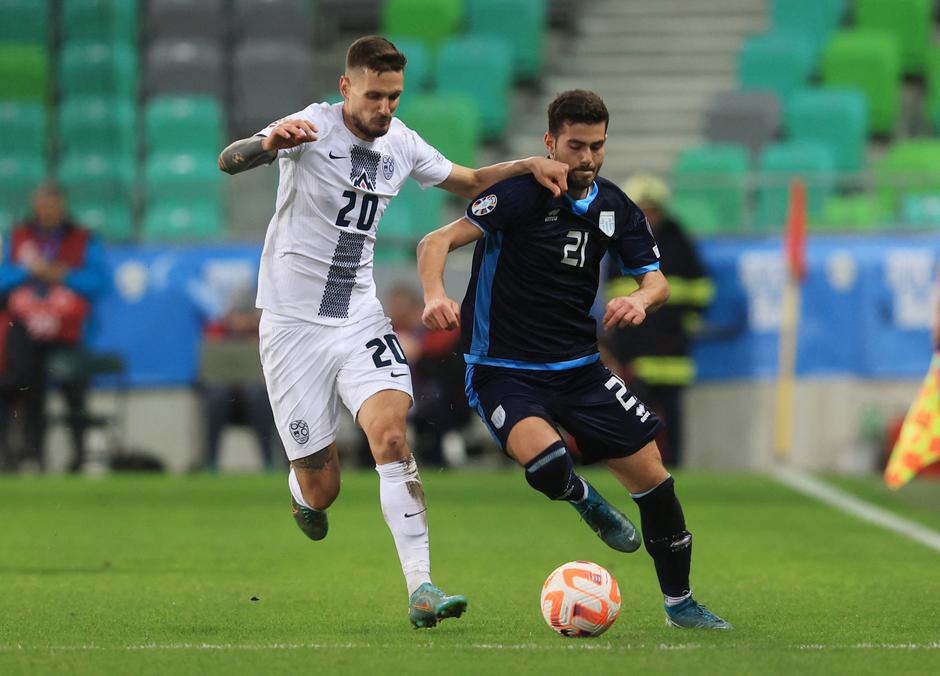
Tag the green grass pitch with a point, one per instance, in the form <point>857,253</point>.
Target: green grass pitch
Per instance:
<point>155,575</point>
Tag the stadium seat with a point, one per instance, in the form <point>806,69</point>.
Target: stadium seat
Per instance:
<point>184,123</point>
<point>100,20</point>
<point>479,67</point>
<point>183,220</point>
<point>814,18</point>
<point>836,117</point>
<point>183,176</point>
<point>98,69</point>
<point>921,210</point>
<point>849,213</point>
<point>25,21</point>
<point>449,122</point>
<point>869,61</point>
<point>24,72</point>
<point>909,166</point>
<point>185,67</point>
<point>112,219</point>
<point>23,129</point>
<point>779,165</point>
<point>781,62</point>
<point>715,175</point>
<point>430,21</point>
<point>98,126</point>
<point>419,67</point>
<point>258,98</point>
<point>909,21</point>
<point>752,119</point>
<point>698,216</point>
<point>932,77</point>
<point>19,175</point>
<point>182,19</point>
<point>97,177</point>
<point>287,19</point>
<point>398,236</point>
<point>519,23</point>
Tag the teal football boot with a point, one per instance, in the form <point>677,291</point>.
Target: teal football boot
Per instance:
<point>690,614</point>
<point>611,526</point>
<point>428,604</point>
<point>313,522</point>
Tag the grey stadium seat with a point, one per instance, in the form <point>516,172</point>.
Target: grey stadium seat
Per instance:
<point>271,78</point>
<point>751,118</point>
<point>206,19</point>
<point>289,19</point>
<point>185,67</point>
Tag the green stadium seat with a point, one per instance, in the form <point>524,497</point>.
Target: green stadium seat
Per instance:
<point>414,212</point>
<point>98,177</point>
<point>23,129</point>
<point>849,213</point>
<point>481,68</point>
<point>779,164</point>
<point>183,176</point>
<point>836,117</point>
<point>449,122</point>
<point>715,175</point>
<point>113,219</point>
<point>25,21</point>
<point>184,124</point>
<point>430,21</point>
<point>98,126</point>
<point>697,215</point>
<point>909,21</point>
<point>19,176</point>
<point>869,61</point>
<point>921,210</point>
<point>909,166</point>
<point>183,220</point>
<point>100,20</point>
<point>521,24</point>
<point>98,69</point>
<point>932,77</point>
<point>418,70</point>
<point>814,18</point>
<point>781,62</point>
<point>24,72</point>
<point>399,237</point>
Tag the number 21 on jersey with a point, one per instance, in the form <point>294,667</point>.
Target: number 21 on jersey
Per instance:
<point>574,249</point>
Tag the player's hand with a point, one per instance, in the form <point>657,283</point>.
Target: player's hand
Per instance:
<point>551,174</point>
<point>441,314</point>
<point>289,133</point>
<point>624,311</point>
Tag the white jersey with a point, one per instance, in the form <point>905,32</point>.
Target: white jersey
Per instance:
<point>317,260</point>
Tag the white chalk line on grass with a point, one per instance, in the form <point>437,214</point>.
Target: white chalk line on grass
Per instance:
<point>814,488</point>
<point>452,646</point>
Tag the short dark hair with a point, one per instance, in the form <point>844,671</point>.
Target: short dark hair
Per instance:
<point>375,53</point>
<point>576,106</point>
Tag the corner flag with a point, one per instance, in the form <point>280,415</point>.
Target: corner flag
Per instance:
<point>918,444</point>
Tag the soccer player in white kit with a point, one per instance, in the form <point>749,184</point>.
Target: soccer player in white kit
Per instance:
<point>324,337</point>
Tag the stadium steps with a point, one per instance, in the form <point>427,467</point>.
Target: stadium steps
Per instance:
<point>657,65</point>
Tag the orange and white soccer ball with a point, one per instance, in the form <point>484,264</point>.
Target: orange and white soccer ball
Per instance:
<point>580,599</point>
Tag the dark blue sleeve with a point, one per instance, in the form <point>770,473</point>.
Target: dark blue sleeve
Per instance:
<point>91,279</point>
<point>635,249</point>
<point>504,204</point>
<point>11,274</point>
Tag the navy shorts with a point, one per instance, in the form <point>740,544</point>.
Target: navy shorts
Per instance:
<point>591,403</point>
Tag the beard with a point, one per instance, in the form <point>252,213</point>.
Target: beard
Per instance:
<point>372,130</point>
<point>581,179</point>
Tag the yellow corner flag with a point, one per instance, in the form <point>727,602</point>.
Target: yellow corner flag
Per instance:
<point>918,444</point>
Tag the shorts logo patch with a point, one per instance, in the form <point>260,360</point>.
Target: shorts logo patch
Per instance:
<point>606,223</point>
<point>388,167</point>
<point>484,205</point>
<point>499,417</point>
<point>300,431</point>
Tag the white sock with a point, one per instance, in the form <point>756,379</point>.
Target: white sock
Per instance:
<point>405,512</point>
<point>676,600</point>
<point>295,489</point>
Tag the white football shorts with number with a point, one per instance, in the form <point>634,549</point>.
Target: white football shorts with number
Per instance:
<point>315,284</point>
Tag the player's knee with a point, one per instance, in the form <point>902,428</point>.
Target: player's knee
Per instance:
<point>551,472</point>
<point>390,445</point>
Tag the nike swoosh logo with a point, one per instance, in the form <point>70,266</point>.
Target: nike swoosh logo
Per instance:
<point>398,375</point>
<point>337,157</point>
<point>408,516</point>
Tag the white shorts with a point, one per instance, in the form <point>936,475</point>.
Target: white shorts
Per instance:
<point>309,367</point>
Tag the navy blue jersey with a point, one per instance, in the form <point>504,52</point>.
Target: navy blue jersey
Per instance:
<point>536,271</point>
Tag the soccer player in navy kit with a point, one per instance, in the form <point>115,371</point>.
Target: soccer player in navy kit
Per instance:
<point>531,348</point>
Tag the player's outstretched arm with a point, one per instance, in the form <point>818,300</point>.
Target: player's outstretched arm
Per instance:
<point>441,312</point>
<point>631,310</point>
<point>248,153</point>
<point>469,183</point>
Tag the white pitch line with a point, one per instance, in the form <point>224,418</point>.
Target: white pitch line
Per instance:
<point>812,487</point>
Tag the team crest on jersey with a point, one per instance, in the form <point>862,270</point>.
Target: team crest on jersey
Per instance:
<point>300,431</point>
<point>606,223</point>
<point>388,167</point>
<point>484,205</point>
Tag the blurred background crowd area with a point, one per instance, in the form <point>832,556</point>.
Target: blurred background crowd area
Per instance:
<point>126,104</point>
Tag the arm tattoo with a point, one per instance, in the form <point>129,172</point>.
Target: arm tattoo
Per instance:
<point>245,154</point>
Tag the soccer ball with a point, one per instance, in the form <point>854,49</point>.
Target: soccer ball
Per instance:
<point>580,599</point>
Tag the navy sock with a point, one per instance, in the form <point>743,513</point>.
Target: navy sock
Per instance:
<point>551,472</point>
<point>666,537</point>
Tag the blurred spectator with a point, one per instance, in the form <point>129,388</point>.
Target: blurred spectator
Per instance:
<point>51,272</point>
<point>654,358</point>
<point>231,384</point>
